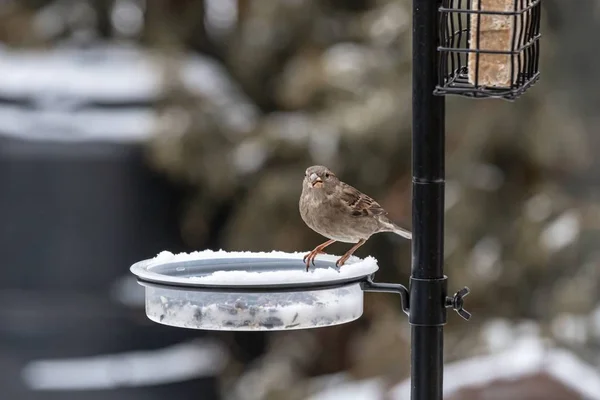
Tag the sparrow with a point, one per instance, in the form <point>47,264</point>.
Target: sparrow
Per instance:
<point>341,213</point>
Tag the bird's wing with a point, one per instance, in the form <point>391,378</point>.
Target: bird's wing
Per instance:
<point>358,203</point>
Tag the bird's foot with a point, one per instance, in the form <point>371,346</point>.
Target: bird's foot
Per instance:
<point>341,261</point>
<point>349,253</point>
<point>310,258</point>
<point>306,256</point>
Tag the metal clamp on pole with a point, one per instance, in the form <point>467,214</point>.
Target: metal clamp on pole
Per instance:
<point>424,312</point>
<point>369,286</point>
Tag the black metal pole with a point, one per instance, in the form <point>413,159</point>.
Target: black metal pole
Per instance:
<point>428,283</point>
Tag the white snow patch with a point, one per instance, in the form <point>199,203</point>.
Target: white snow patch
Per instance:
<point>485,257</point>
<point>595,322</point>
<point>486,177</point>
<point>562,232</point>
<point>187,360</point>
<point>354,267</point>
<point>539,207</point>
<point>221,16</point>
<point>571,328</point>
<point>453,194</point>
<point>368,389</point>
<point>250,156</point>
<point>498,334</point>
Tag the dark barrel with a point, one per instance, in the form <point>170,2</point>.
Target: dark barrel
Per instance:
<point>74,215</point>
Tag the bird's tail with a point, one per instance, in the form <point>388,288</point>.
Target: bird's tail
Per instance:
<point>392,227</point>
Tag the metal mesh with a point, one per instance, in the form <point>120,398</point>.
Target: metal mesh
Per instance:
<point>488,48</point>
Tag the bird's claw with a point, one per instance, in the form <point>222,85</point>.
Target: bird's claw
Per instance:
<point>307,259</point>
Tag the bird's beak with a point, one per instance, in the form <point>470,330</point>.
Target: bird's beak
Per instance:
<point>315,181</point>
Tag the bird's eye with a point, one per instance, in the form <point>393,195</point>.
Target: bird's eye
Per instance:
<point>327,175</point>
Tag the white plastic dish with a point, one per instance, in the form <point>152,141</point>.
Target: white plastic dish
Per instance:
<point>251,291</point>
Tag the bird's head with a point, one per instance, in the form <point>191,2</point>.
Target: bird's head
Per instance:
<point>319,177</point>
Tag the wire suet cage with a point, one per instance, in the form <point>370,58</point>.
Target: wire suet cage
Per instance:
<point>488,48</point>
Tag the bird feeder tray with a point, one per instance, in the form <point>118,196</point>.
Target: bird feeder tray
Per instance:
<point>247,291</point>
<point>488,48</point>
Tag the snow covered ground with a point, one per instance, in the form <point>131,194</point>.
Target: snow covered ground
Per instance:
<point>526,357</point>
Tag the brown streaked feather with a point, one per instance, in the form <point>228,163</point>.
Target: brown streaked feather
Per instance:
<point>359,203</point>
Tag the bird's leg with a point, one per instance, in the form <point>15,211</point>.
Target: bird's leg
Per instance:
<point>346,256</point>
<point>311,256</point>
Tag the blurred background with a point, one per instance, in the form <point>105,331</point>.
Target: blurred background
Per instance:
<point>128,127</point>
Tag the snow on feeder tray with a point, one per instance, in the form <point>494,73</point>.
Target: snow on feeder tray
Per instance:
<point>248,291</point>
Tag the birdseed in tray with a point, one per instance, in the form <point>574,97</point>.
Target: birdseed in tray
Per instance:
<point>255,311</point>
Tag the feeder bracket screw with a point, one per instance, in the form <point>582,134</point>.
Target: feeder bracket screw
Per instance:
<point>456,302</point>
